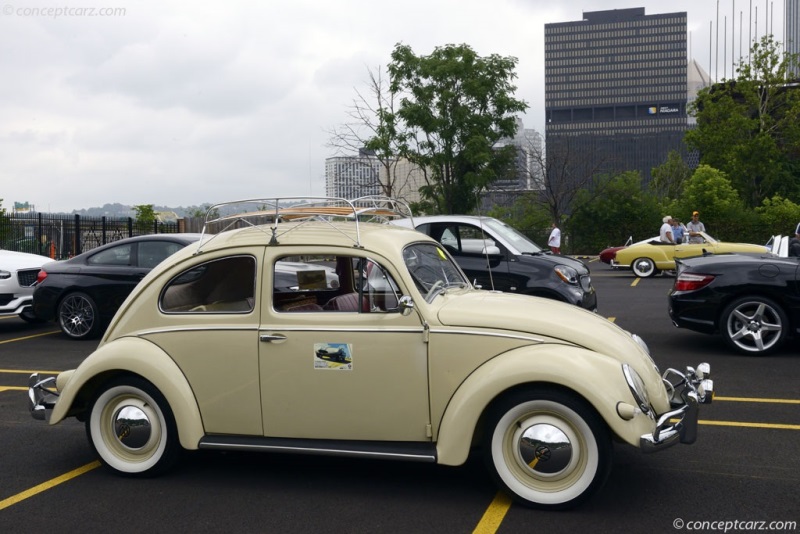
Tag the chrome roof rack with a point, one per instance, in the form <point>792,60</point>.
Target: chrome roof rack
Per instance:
<point>270,212</point>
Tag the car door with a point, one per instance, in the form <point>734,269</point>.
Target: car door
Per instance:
<point>340,372</point>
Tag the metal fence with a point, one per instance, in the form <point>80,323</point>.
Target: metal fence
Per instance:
<point>63,236</point>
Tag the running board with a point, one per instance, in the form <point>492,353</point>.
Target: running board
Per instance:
<point>384,450</point>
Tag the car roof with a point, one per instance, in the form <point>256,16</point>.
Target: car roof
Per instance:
<point>184,238</point>
<point>473,219</point>
<point>379,237</point>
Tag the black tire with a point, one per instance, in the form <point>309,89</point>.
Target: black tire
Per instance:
<point>132,429</point>
<point>556,469</point>
<point>78,316</point>
<point>644,267</point>
<point>754,325</point>
<point>28,316</point>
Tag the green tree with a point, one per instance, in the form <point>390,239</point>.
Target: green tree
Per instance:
<point>145,218</point>
<point>5,224</point>
<point>455,107</point>
<point>749,127</point>
<point>778,215</point>
<point>669,178</point>
<point>722,211</point>
<point>625,209</point>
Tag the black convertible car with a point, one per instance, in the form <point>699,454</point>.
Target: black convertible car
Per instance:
<point>753,301</point>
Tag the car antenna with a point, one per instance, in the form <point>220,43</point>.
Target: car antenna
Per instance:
<point>485,248</point>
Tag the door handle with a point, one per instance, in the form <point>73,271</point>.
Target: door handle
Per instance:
<point>269,338</point>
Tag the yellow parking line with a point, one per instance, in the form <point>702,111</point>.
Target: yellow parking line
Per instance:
<point>750,425</point>
<point>12,388</point>
<point>753,399</point>
<point>493,515</point>
<point>29,337</point>
<point>44,486</point>
<point>635,282</point>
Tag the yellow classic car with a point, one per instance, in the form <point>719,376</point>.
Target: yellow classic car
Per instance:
<point>216,349</point>
<point>651,257</point>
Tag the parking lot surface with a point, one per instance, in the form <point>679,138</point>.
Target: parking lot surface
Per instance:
<point>743,473</point>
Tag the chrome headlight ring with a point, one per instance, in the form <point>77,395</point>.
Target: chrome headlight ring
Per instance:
<point>637,387</point>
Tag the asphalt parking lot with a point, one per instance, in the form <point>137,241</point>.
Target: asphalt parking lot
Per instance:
<point>742,475</point>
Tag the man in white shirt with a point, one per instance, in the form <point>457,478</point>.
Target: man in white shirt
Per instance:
<point>665,233</point>
<point>554,242</point>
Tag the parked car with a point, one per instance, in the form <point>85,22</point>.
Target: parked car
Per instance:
<point>18,272</point>
<point>207,354</point>
<point>751,300</point>
<point>83,293</point>
<point>609,255</point>
<point>496,256</point>
<point>652,257</point>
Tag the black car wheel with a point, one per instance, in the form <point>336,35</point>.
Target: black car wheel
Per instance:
<point>644,267</point>
<point>547,448</point>
<point>754,325</point>
<point>78,316</point>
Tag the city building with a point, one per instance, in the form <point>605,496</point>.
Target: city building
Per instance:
<point>791,30</point>
<point>616,90</point>
<point>530,155</point>
<point>352,176</point>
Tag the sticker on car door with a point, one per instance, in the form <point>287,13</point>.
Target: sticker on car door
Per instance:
<point>335,356</point>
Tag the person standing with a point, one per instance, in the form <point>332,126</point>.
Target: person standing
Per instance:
<point>665,232</point>
<point>678,231</point>
<point>695,227</point>
<point>554,242</point>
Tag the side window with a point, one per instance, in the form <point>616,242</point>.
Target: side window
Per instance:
<point>119,255</point>
<point>219,286</point>
<point>151,253</point>
<point>474,240</point>
<point>332,284</point>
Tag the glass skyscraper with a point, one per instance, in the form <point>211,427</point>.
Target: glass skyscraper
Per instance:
<point>616,90</point>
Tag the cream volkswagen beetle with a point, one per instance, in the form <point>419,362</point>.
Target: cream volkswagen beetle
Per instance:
<point>215,350</point>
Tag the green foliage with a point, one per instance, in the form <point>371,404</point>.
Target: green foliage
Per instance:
<point>145,218</point>
<point>5,224</point>
<point>779,215</point>
<point>749,127</point>
<point>528,216</point>
<point>624,210</point>
<point>669,178</point>
<point>455,107</point>
<point>201,212</point>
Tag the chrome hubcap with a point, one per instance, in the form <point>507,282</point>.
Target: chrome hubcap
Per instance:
<point>543,449</point>
<point>132,427</point>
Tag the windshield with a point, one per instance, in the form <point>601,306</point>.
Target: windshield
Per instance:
<point>432,269</point>
<point>512,236</point>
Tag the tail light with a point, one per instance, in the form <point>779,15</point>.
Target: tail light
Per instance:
<point>692,281</point>
<point>41,276</point>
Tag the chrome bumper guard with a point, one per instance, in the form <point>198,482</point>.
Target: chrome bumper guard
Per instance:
<point>41,399</point>
<point>687,390</point>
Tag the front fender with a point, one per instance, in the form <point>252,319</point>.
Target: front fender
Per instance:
<point>595,377</point>
<point>148,360</point>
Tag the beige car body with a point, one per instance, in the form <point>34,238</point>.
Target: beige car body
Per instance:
<point>424,375</point>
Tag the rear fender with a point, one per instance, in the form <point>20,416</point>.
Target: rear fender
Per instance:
<point>143,358</point>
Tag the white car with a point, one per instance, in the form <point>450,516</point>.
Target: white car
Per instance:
<point>18,272</point>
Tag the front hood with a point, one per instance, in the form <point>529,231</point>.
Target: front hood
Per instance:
<point>542,317</point>
<point>554,259</point>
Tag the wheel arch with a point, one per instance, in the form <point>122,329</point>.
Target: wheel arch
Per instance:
<point>135,357</point>
<point>566,368</point>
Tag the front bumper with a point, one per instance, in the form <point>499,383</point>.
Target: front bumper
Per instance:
<point>41,398</point>
<point>687,390</point>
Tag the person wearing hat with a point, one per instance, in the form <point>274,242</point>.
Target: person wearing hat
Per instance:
<point>694,227</point>
<point>794,243</point>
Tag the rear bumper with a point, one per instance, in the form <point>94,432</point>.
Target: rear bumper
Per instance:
<point>41,398</point>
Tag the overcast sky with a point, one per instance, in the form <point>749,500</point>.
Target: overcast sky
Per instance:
<point>178,104</point>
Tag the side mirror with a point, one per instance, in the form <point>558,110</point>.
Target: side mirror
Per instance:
<point>406,305</point>
<point>492,250</point>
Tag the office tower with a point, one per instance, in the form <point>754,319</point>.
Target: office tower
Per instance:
<point>352,176</point>
<point>615,91</point>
